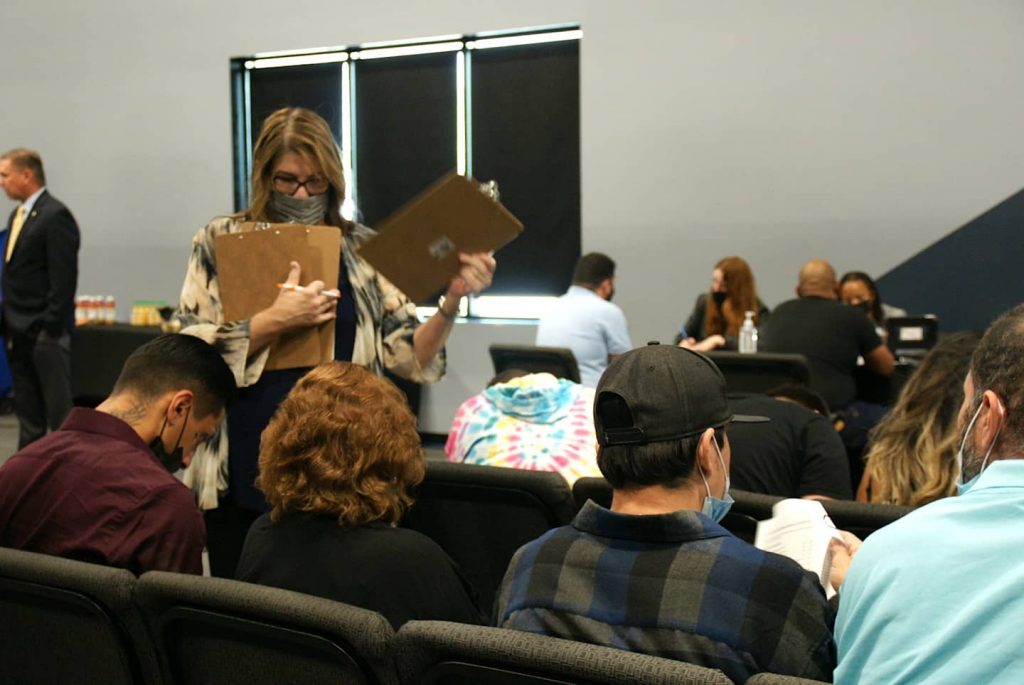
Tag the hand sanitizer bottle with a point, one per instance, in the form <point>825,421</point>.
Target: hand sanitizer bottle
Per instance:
<point>748,334</point>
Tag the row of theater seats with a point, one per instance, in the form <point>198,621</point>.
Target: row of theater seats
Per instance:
<point>743,372</point>
<point>67,621</point>
<point>481,515</point>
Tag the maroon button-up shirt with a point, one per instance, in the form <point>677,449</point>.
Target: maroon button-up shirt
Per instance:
<point>92,490</point>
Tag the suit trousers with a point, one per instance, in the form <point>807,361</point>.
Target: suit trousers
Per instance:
<point>41,371</point>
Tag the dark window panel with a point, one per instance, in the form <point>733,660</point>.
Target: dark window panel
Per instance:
<point>526,136</point>
<point>404,129</point>
<point>313,86</point>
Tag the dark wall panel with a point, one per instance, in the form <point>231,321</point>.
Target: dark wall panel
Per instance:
<point>970,276</point>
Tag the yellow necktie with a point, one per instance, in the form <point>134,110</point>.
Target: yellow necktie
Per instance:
<point>19,221</point>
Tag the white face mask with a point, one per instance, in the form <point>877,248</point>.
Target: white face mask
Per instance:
<point>961,486</point>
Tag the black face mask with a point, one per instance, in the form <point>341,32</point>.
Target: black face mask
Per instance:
<point>863,306</point>
<point>171,460</point>
<point>719,297</point>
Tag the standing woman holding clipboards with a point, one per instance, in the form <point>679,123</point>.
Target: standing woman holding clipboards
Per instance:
<point>297,178</point>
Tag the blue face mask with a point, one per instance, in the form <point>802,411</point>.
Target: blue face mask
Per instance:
<point>715,508</point>
<point>961,486</point>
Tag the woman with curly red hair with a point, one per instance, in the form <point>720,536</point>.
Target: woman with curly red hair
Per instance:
<point>718,314</point>
<point>337,462</point>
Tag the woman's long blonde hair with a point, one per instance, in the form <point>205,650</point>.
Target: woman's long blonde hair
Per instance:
<point>298,130</point>
<point>912,457</point>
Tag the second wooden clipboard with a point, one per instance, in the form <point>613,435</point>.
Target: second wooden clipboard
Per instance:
<point>417,248</point>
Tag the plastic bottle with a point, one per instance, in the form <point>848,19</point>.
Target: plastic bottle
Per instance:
<point>80,310</point>
<point>748,334</point>
<point>109,309</point>
<point>91,311</point>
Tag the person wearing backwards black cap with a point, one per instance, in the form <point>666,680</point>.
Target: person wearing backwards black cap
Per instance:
<point>656,573</point>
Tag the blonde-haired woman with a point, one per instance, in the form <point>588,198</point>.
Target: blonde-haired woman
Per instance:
<point>337,463</point>
<point>912,456</point>
<point>297,178</point>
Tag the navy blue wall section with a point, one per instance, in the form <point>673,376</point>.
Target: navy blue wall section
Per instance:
<point>970,276</point>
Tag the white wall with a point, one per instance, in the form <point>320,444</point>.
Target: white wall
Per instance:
<point>861,132</point>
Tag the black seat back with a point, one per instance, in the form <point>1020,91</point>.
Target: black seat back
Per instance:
<point>861,518</point>
<point>215,630</point>
<point>560,362</point>
<point>480,515</point>
<point>64,621</point>
<point>440,653</point>
<point>597,489</point>
<point>761,371</point>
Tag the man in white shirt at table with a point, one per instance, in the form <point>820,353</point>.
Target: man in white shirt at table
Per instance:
<point>585,320</point>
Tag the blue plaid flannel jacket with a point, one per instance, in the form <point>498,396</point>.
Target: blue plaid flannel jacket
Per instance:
<point>673,585</point>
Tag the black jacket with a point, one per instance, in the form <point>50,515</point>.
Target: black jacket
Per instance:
<point>39,281</point>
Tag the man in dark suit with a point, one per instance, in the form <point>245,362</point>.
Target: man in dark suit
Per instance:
<point>39,278</point>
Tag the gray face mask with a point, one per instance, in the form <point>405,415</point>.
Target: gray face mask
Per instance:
<point>293,210</point>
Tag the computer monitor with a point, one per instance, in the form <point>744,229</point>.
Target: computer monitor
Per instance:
<point>910,337</point>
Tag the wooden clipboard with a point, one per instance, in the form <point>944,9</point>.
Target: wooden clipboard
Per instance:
<point>250,264</point>
<point>417,248</point>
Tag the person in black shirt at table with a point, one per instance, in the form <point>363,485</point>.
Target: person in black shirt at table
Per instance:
<point>796,454</point>
<point>831,335</point>
<point>337,462</point>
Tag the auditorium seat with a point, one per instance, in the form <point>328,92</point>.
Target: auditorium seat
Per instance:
<point>863,519</point>
<point>596,489</point>
<point>859,518</point>
<point>560,362</point>
<point>441,653</point>
<point>753,504</point>
<point>65,621</point>
<point>215,630</point>
<point>761,371</point>
<point>774,679</point>
<point>480,515</point>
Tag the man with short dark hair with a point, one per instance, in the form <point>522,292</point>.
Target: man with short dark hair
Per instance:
<point>100,488</point>
<point>656,573</point>
<point>830,334</point>
<point>39,277</point>
<point>935,597</point>
<point>585,320</point>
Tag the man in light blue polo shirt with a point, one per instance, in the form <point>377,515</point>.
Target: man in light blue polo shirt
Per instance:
<point>585,320</point>
<point>936,596</point>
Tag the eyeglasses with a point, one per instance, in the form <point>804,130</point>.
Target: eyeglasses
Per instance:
<point>289,185</point>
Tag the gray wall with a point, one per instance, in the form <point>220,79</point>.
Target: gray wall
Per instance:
<point>861,132</point>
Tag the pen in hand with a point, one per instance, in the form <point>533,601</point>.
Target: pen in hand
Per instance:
<point>299,289</point>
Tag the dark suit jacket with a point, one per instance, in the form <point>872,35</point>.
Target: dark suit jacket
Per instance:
<point>39,281</point>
